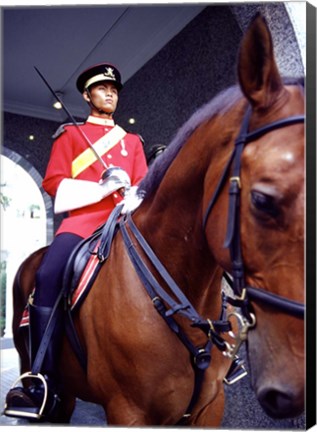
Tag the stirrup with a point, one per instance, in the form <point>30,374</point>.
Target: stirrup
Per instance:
<point>28,412</point>
<point>236,371</point>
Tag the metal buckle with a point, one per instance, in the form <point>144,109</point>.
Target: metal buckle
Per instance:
<point>212,328</point>
<point>242,336</point>
<point>14,413</point>
<point>236,372</point>
<point>242,296</point>
<point>237,179</point>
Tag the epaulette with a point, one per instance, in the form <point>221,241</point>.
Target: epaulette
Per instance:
<point>141,139</point>
<point>61,129</point>
<point>138,135</point>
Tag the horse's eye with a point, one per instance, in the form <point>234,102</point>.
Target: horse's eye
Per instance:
<point>264,203</point>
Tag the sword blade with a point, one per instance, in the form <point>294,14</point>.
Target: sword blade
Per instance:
<point>75,123</point>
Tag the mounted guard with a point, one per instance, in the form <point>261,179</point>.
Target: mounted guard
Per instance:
<point>91,167</point>
<point>159,335</point>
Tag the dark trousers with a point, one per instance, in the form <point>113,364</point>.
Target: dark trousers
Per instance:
<point>49,277</point>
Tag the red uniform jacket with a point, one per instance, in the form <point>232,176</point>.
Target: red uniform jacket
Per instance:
<point>70,144</point>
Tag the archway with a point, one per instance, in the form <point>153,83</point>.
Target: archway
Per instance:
<point>26,223</point>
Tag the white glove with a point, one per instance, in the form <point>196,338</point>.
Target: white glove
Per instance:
<point>113,179</point>
<point>72,194</point>
<point>131,200</point>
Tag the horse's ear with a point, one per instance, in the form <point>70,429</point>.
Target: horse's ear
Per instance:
<point>259,77</point>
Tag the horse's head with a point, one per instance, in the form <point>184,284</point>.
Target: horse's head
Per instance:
<point>270,180</point>
<point>271,226</point>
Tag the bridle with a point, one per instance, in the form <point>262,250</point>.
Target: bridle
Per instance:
<point>244,293</point>
<point>177,304</point>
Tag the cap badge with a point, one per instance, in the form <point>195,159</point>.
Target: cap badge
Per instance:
<point>109,73</point>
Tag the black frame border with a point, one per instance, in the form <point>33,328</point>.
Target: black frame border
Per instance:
<point>310,216</point>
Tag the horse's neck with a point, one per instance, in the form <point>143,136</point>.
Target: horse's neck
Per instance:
<point>171,221</point>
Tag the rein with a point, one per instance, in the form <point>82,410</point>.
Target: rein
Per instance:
<point>201,355</point>
<point>243,293</point>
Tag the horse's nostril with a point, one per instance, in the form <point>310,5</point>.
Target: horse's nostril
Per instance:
<point>276,404</point>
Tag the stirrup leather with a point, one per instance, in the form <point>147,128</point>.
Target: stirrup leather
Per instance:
<point>28,412</point>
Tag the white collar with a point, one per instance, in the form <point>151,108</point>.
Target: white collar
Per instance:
<point>100,121</point>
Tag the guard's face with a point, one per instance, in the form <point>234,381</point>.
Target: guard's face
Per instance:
<point>103,96</point>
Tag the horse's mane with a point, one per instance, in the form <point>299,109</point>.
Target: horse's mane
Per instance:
<point>218,105</point>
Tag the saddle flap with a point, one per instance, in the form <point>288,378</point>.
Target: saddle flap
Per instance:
<point>85,262</point>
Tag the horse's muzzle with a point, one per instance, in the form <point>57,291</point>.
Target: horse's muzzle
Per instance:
<point>280,403</point>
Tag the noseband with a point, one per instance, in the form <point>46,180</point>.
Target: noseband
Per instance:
<point>243,293</point>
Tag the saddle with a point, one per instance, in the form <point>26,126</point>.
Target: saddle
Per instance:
<point>87,259</point>
<point>84,264</point>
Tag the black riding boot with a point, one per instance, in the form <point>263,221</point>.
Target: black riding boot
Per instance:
<point>40,401</point>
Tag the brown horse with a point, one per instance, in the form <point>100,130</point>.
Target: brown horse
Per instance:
<point>137,368</point>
